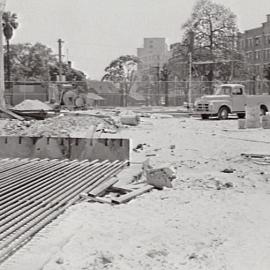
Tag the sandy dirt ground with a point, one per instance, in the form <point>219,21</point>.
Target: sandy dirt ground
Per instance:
<point>208,220</point>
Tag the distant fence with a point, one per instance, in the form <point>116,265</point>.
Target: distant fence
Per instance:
<point>142,93</point>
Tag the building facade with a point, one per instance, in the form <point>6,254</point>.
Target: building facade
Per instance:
<point>255,45</point>
<point>154,53</point>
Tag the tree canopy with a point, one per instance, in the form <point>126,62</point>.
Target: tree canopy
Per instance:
<point>122,71</point>
<point>37,63</point>
<point>210,34</point>
<point>212,26</point>
<point>9,24</point>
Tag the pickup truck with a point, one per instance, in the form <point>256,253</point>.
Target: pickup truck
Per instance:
<point>229,99</point>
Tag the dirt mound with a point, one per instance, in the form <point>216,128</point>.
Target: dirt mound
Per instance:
<point>29,104</point>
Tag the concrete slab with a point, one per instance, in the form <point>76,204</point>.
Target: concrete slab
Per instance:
<point>65,148</point>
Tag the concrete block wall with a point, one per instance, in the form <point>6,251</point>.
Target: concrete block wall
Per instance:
<point>64,148</point>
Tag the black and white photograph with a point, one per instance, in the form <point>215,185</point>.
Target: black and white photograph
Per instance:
<point>134,135</point>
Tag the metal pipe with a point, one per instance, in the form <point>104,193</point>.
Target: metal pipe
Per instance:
<point>52,194</point>
<point>22,177</point>
<point>22,220</point>
<point>43,180</point>
<point>31,177</point>
<point>64,201</point>
<point>50,187</point>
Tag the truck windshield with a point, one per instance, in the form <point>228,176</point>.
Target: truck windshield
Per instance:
<point>223,90</point>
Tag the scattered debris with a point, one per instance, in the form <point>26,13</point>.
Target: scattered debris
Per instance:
<point>260,159</point>
<point>228,171</point>
<point>172,147</point>
<point>220,185</point>
<point>60,261</point>
<point>151,155</point>
<point>193,256</point>
<point>129,118</point>
<point>11,114</point>
<point>228,185</point>
<point>139,147</point>
<point>255,155</point>
<point>160,177</point>
<point>133,194</point>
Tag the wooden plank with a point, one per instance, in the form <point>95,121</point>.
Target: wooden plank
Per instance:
<point>100,200</point>
<point>12,114</point>
<point>103,186</point>
<point>255,155</point>
<point>127,197</point>
<point>127,188</point>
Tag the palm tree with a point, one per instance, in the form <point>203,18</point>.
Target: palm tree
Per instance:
<point>9,25</point>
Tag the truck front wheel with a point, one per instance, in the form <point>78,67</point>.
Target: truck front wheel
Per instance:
<point>223,113</point>
<point>204,116</point>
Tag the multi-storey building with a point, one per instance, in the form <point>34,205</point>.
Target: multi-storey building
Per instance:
<point>255,45</point>
<point>153,54</point>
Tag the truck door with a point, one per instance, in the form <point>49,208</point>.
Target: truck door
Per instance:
<point>238,99</point>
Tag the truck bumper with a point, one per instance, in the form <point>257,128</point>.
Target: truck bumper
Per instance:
<point>210,113</point>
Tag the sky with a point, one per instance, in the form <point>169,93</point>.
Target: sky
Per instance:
<point>97,31</point>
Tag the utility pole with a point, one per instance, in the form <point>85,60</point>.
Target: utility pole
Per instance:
<point>157,96</point>
<point>190,52</point>
<point>60,42</point>
<point>189,80</point>
<point>2,73</point>
<point>165,76</point>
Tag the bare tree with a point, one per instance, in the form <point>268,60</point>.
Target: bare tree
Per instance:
<point>211,33</point>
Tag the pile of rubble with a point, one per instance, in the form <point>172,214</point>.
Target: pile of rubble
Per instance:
<point>61,126</point>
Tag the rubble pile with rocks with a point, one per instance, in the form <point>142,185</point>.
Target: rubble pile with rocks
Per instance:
<point>61,126</point>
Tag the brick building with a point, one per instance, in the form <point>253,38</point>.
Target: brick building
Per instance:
<point>255,45</point>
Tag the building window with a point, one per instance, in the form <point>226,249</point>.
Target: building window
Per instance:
<point>250,43</point>
<point>246,43</point>
<point>264,55</point>
<point>257,41</point>
<point>267,40</point>
<point>242,44</point>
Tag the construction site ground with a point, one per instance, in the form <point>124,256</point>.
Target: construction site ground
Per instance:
<point>216,216</point>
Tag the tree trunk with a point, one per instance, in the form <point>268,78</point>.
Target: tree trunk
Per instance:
<point>8,83</point>
<point>2,79</point>
<point>8,62</point>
